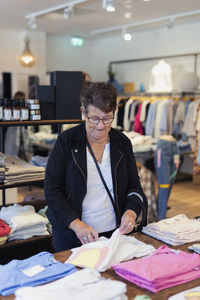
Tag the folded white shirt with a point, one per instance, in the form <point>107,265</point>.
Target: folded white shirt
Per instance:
<point>28,232</point>
<point>17,216</point>
<point>105,252</point>
<point>85,284</point>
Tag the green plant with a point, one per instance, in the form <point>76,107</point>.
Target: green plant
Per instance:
<point>111,74</point>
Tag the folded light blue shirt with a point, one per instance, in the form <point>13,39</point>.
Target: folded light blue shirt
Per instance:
<point>38,269</point>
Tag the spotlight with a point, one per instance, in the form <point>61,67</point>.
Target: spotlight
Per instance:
<point>109,5</point>
<point>68,11</point>
<point>170,24</point>
<point>127,36</point>
<point>32,23</point>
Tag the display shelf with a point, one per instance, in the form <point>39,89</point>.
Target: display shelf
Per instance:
<point>32,182</point>
<point>22,249</point>
<point>41,122</point>
<point>4,125</point>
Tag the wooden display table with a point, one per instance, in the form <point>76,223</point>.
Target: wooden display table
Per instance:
<point>132,289</point>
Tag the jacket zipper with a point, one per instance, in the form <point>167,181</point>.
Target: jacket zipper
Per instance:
<point>78,166</point>
<point>117,204</point>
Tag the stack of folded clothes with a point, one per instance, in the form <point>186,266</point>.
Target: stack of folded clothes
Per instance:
<point>4,232</point>
<point>174,231</point>
<point>40,161</point>
<point>142,144</point>
<point>163,269</point>
<point>14,170</point>
<point>24,221</point>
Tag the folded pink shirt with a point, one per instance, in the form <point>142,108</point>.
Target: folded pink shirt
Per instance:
<point>164,268</point>
<point>4,228</point>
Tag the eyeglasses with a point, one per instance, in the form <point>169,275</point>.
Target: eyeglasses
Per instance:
<point>96,120</point>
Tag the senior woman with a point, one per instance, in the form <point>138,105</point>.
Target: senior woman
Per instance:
<point>91,183</point>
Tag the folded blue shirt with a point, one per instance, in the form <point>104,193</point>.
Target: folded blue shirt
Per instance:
<point>37,269</point>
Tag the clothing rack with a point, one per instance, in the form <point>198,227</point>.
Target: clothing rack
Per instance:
<point>162,94</point>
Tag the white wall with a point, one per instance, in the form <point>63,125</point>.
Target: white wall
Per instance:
<point>12,46</point>
<point>61,56</point>
<point>95,56</point>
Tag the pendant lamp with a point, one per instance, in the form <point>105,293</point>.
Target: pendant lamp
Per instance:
<point>27,59</point>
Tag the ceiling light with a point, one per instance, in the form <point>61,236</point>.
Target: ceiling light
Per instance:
<point>32,23</point>
<point>68,11</point>
<point>128,15</point>
<point>109,5</point>
<point>146,0</point>
<point>127,36</point>
<point>27,59</point>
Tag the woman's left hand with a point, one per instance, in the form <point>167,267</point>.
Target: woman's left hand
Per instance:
<point>128,221</point>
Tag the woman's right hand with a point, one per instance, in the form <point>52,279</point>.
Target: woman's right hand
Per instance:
<point>84,232</point>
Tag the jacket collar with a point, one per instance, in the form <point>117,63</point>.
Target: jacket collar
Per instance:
<point>78,146</point>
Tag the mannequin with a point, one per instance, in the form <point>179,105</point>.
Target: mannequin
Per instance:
<point>160,80</point>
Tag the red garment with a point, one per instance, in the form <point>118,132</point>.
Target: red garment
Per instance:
<point>138,124</point>
<point>4,228</point>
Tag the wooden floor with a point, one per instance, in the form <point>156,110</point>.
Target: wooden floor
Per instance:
<point>184,199</point>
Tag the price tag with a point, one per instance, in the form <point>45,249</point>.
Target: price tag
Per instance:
<point>33,270</point>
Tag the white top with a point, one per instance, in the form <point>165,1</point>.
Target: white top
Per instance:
<point>97,209</point>
<point>106,252</point>
<point>84,284</point>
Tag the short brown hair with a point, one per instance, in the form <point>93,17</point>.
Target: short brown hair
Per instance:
<point>102,95</point>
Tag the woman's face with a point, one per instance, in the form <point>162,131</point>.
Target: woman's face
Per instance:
<point>97,129</point>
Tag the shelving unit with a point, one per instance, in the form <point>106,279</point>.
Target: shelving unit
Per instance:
<point>21,249</point>
<point>4,125</point>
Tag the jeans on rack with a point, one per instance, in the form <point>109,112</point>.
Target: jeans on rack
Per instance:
<point>166,166</point>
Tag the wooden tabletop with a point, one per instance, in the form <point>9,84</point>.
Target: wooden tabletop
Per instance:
<point>132,289</point>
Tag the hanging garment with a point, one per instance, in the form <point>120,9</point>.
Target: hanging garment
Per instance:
<point>85,284</point>
<point>179,119</point>
<point>101,254</point>
<point>166,169</point>
<point>138,124</point>
<point>158,119</point>
<point>148,184</point>
<point>126,120</point>
<point>149,126</point>
<point>163,269</point>
<point>36,270</point>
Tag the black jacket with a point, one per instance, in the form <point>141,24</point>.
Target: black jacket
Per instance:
<point>66,177</point>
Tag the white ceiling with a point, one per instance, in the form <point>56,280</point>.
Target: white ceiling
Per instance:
<point>90,16</point>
